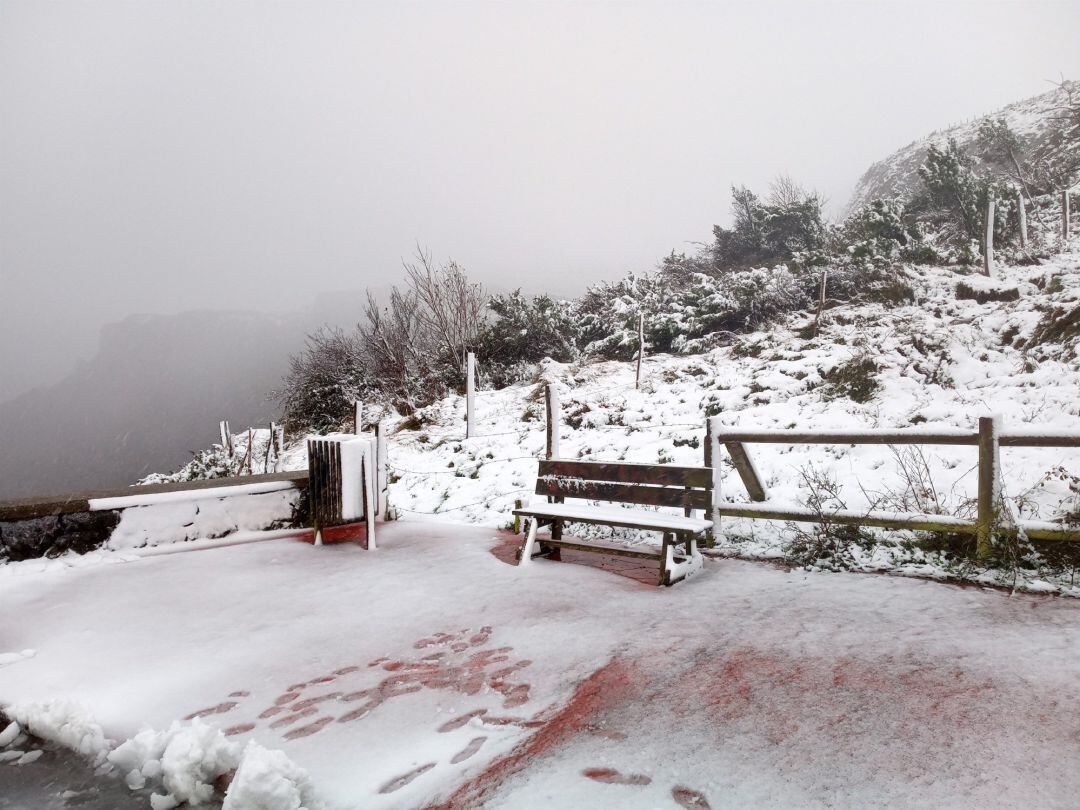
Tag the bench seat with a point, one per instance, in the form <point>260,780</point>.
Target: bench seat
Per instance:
<point>616,516</point>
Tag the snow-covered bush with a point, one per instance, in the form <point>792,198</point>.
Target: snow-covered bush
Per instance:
<point>324,380</point>
<point>522,333</point>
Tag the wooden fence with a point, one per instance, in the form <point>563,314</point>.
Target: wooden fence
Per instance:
<point>988,439</point>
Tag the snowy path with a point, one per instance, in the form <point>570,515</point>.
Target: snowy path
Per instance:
<point>430,671</point>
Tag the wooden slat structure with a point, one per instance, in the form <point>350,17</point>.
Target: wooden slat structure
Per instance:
<point>346,493</point>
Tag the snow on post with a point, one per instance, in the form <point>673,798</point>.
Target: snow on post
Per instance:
<point>988,243</point>
<point>358,417</point>
<point>470,394</point>
<point>551,398</point>
<point>226,436</point>
<point>381,464</point>
<point>989,476</point>
<point>641,347</point>
<point>712,460</point>
<point>1065,215</point>
<point>1022,208</point>
<point>821,300</point>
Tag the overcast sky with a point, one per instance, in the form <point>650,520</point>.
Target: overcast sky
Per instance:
<point>164,156</point>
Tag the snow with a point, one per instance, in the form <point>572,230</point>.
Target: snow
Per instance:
<point>616,515</point>
<point>269,780</point>
<point>376,675</point>
<point>206,517</point>
<point>12,657</point>
<point>204,494</point>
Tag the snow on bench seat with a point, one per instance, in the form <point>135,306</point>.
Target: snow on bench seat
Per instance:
<point>616,516</point>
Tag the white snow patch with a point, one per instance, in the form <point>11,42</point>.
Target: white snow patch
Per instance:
<point>269,780</point>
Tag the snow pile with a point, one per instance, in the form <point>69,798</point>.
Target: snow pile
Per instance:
<point>187,758</point>
<point>269,780</point>
<point>182,521</point>
<point>190,761</point>
<point>64,723</point>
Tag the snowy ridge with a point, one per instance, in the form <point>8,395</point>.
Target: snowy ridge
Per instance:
<point>897,175</point>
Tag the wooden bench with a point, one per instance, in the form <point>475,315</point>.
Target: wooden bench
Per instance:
<point>688,488</point>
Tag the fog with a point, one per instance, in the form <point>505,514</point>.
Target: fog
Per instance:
<point>163,157</point>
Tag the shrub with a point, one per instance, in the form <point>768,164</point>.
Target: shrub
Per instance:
<point>324,380</point>
<point>523,332</point>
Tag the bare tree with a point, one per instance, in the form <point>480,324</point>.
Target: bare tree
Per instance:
<point>451,307</point>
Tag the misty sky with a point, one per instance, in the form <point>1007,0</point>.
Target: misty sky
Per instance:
<point>165,156</point>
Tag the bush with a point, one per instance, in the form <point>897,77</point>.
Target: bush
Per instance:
<point>324,381</point>
<point>524,332</point>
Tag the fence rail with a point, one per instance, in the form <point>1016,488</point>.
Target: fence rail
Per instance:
<point>78,502</point>
<point>988,439</point>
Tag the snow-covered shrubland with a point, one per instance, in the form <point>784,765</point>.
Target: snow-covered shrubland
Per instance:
<point>961,346</point>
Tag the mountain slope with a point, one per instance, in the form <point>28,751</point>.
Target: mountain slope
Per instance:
<point>1036,120</point>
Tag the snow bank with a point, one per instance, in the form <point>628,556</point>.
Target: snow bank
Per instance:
<point>188,761</point>
<point>269,780</point>
<point>64,723</point>
<point>182,521</point>
<point>187,757</point>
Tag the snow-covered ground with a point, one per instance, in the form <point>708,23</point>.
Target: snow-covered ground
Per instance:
<point>432,671</point>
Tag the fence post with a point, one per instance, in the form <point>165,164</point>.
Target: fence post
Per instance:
<point>1064,215</point>
<point>269,448</point>
<point>470,394</point>
<point>988,242</point>
<point>517,518</point>
<point>712,459</point>
<point>279,446</point>
<point>226,436</point>
<point>381,467</point>
<point>821,300</point>
<point>1022,208</point>
<point>249,456</point>
<point>989,463</point>
<point>641,347</point>
<point>551,398</point>
<point>358,417</point>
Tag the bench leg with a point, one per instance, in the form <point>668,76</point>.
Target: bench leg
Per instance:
<point>526,550</point>
<point>666,559</point>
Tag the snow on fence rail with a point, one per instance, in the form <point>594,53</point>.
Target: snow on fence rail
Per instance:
<point>989,438</point>
<point>151,514</point>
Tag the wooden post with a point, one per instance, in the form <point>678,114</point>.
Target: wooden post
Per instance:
<point>517,518</point>
<point>744,465</point>
<point>989,463</point>
<point>712,459</point>
<point>988,242</point>
<point>249,457</point>
<point>470,395</point>
<point>279,446</point>
<point>551,397</point>
<point>358,417</point>
<point>381,463</point>
<point>821,300</point>
<point>226,437</point>
<point>1064,215</point>
<point>269,448</point>
<point>1022,209</point>
<point>641,347</point>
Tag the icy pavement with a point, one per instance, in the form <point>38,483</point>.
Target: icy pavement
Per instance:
<point>430,672</point>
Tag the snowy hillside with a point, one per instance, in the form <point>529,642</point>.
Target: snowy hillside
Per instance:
<point>1036,120</point>
<point>941,362</point>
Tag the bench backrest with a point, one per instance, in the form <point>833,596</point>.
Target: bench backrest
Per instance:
<point>647,484</point>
